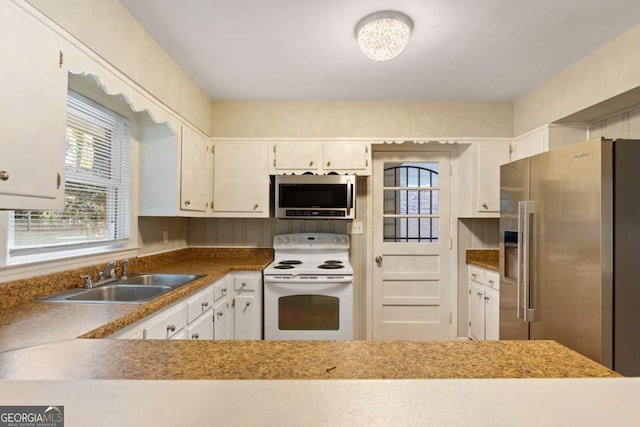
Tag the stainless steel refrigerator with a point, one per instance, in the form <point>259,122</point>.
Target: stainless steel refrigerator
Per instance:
<point>570,250</point>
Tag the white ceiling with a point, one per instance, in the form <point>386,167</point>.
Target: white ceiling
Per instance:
<point>306,50</point>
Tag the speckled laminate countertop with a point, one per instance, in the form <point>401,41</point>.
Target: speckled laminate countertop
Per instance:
<point>484,258</point>
<point>162,360</point>
<point>35,322</point>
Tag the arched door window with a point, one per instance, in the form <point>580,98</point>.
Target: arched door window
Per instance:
<point>411,202</point>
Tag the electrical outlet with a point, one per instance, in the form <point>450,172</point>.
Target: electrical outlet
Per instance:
<point>356,227</point>
<point>165,237</point>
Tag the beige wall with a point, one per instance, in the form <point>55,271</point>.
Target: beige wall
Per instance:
<point>108,28</point>
<point>326,119</point>
<point>605,74</point>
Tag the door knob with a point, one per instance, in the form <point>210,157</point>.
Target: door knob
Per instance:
<point>378,260</point>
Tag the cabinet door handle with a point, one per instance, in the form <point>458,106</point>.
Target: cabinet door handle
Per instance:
<point>171,328</point>
<point>479,294</point>
<point>311,163</point>
<point>484,205</point>
<point>195,336</point>
<point>4,176</point>
<point>256,206</point>
<point>491,281</point>
<point>474,275</point>
<point>219,314</point>
<point>247,304</point>
<point>224,290</point>
<point>205,304</point>
<point>329,163</point>
<point>187,202</point>
<point>244,284</point>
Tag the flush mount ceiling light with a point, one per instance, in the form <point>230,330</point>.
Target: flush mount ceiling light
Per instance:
<point>383,35</point>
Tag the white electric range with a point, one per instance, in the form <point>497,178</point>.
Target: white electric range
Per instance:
<point>308,288</point>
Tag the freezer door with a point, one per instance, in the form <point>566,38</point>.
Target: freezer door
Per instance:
<point>514,189</point>
<point>566,275</point>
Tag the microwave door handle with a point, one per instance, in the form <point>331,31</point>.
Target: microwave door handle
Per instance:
<point>349,197</point>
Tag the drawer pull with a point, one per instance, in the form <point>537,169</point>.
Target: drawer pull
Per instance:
<point>171,328</point>
<point>205,304</point>
<point>244,284</point>
<point>195,336</point>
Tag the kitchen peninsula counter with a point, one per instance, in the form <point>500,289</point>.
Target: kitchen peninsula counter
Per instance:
<point>250,360</point>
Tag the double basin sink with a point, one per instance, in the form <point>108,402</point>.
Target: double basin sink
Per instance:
<point>132,290</point>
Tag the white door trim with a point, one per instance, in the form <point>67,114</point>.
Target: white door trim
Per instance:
<point>409,145</point>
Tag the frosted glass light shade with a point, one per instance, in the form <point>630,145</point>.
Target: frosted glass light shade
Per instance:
<point>383,35</point>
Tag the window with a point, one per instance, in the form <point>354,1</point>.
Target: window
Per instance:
<point>96,205</point>
<point>411,202</point>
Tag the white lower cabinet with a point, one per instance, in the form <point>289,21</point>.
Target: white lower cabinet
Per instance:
<point>484,304</point>
<point>491,314</point>
<point>247,305</point>
<point>230,308</point>
<point>202,327</point>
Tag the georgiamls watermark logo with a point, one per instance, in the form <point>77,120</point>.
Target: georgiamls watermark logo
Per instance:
<point>32,416</point>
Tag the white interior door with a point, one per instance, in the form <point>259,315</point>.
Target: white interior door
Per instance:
<point>411,246</point>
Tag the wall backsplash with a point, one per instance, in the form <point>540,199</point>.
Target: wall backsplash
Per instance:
<point>151,238</point>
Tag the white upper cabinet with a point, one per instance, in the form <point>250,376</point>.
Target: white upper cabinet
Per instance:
<point>320,157</point>
<point>240,179</point>
<point>175,171</point>
<point>32,113</point>
<point>195,166</point>
<point>478,177</point>
<point>547,138</point>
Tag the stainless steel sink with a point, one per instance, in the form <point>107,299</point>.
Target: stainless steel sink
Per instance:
<point>133,290</point>
<point>120,293</point>
<point>172,280</point>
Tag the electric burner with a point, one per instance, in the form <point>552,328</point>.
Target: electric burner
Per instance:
<point>333,261</point>
<point>290,262</point>
<point>330,266</point>
<point>283,266</point>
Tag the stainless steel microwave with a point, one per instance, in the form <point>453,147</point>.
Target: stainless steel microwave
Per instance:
<point>315,196</point>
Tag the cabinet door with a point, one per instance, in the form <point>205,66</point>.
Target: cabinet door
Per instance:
<point>241,179</point>
<point>490,157</point>
<point>244,315</point>
<point>222,321</point>
<point>195,167</point>
<point>201,329</point>
<point>345,156</point>
<point>304,155</point>
<point>492,313</point>
<point>476,311</point>
<point>32,113</point>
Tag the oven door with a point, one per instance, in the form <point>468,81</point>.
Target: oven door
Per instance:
<point>308,311</point>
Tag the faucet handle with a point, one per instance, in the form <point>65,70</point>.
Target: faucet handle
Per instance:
<point>88,283</point>
<point>113,272</point>
<point>125,266</point>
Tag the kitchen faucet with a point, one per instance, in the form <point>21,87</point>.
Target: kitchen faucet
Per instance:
<point>107,275</point>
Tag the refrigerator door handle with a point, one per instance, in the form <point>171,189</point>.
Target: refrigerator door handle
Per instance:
<point>520,261</point>
<point>529,209</point>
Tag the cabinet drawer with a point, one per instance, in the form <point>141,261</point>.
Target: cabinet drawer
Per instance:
<point>167,324</point>
<point>246,282</point>
<point>476,274</point>
<point>221,288</point>
<point>492,279</point>
<point>199,303</point>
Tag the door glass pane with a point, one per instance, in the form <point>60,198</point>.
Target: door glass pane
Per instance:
<point>410,189</point>
<point>411,230</point>
<point>308,313</point>
<point>411,202</point>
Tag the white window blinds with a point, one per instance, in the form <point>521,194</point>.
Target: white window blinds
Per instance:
<point>96,209</point>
